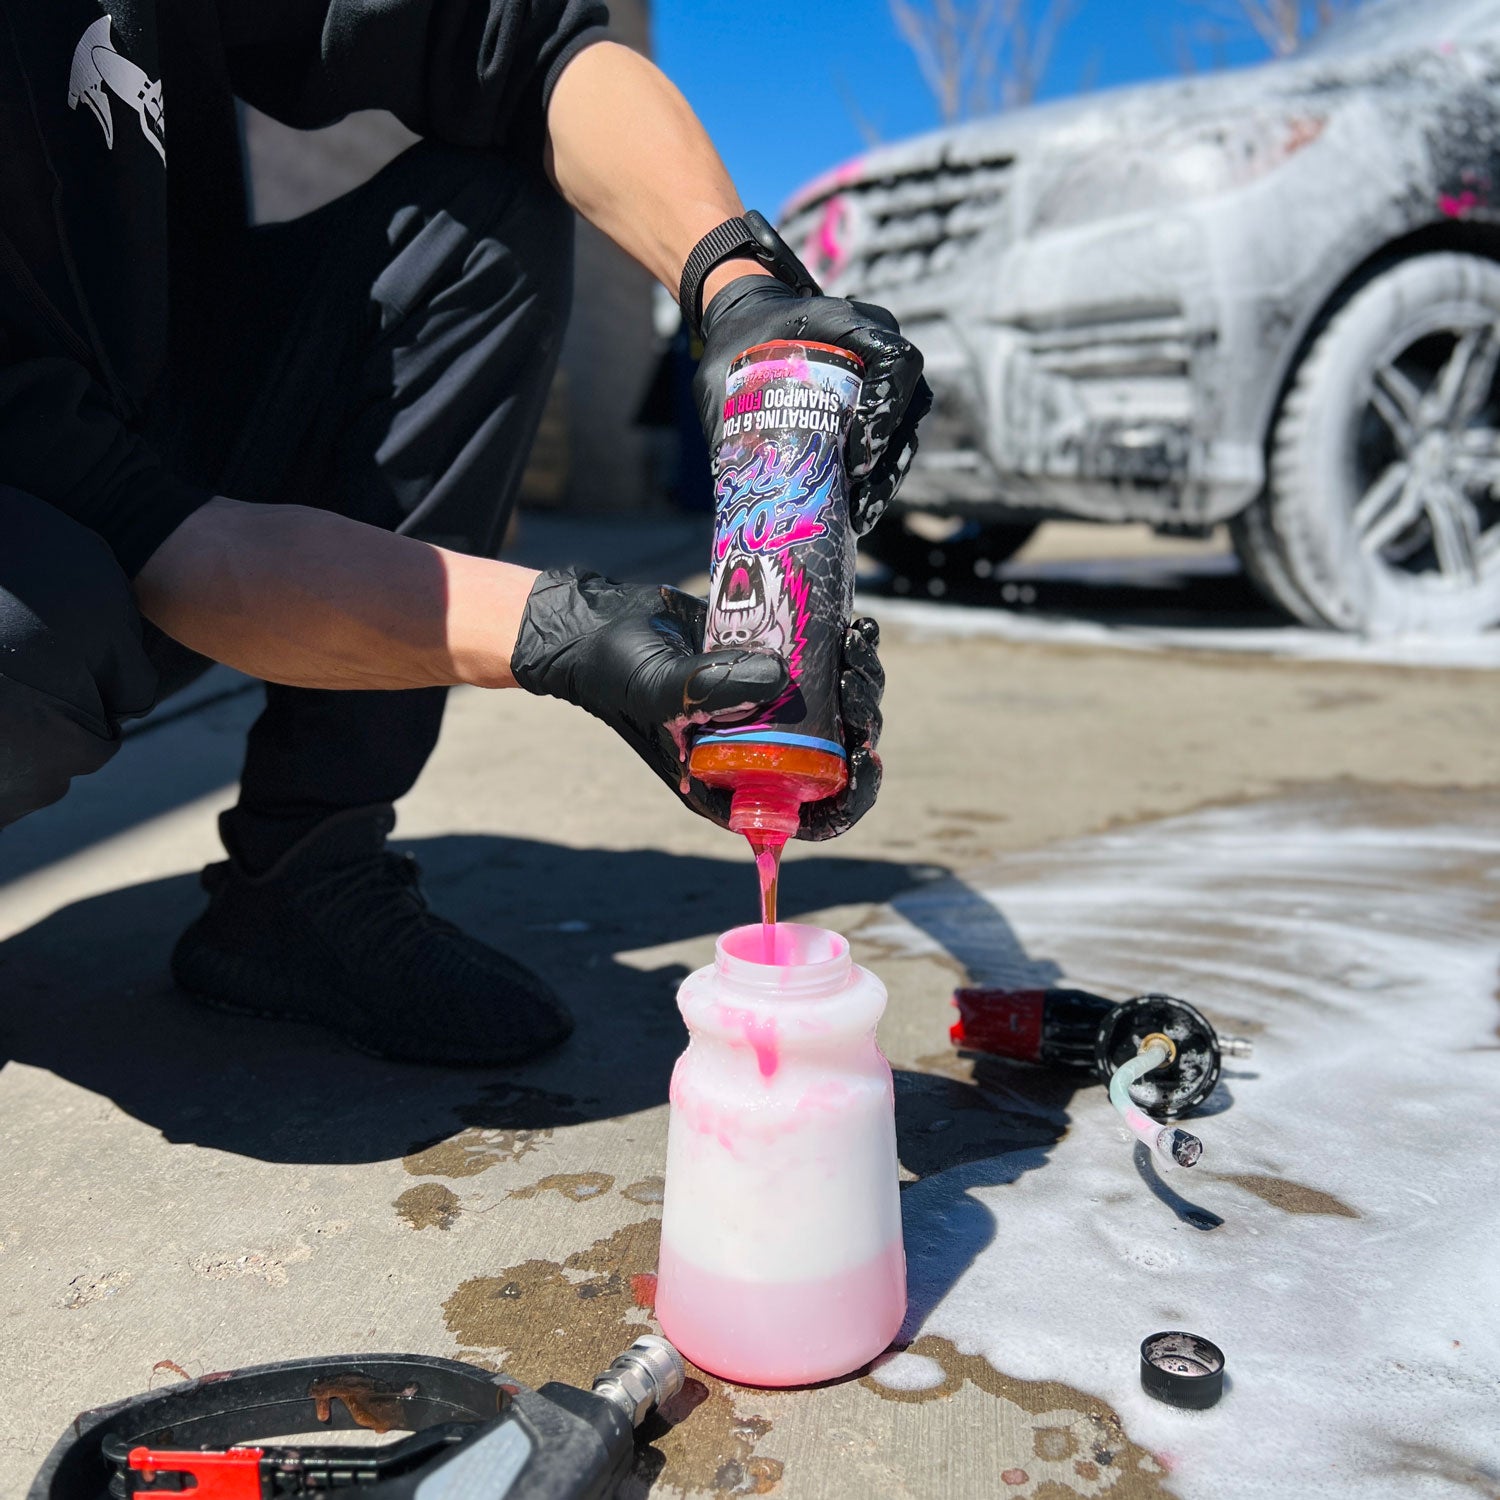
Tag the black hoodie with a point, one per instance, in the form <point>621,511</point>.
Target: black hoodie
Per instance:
<point>117,216</point>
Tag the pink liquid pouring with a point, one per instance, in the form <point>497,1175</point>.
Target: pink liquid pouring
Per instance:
<point>767,848</point>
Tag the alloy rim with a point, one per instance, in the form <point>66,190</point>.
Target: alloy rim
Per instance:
<point>1428,459</point>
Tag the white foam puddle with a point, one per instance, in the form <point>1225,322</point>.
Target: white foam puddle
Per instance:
<point>1293,642</point>
<point>1363,1353</point>
<point>909,1372</point>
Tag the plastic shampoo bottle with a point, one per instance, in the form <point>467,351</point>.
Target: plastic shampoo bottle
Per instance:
<point>782,577</point>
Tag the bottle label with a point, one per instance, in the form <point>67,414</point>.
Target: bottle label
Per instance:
<point>783,557</point>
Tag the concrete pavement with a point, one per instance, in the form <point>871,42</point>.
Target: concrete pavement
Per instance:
<point>209,1191</point>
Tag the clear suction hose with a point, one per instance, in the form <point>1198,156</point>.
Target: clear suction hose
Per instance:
<point>1173,1146</point>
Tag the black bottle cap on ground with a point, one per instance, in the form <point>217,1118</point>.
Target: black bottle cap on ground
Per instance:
<point>1182,1369</point>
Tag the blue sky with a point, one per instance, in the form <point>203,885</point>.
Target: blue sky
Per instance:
<point>732,58</point>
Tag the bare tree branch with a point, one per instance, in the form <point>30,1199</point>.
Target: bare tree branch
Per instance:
<point>869,130</point>
<point>977,56</point>
<point>1283,25</point>
<point>1049,27</point>
<point>1187,44</point>
<point>912,25</point>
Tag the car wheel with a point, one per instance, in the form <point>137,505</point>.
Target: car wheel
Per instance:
<point>1383,510</point>
<point>927,553</point>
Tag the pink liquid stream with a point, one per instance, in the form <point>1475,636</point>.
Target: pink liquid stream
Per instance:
<point>782,1333</point>
<point>767,851</point>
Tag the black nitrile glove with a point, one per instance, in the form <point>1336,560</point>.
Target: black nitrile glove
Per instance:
<point>883,435</point>
<point>861,683</point>
<point>633,657</point>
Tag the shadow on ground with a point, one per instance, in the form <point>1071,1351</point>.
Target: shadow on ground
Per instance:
<point>86,994</point>
<point>1167,591</point>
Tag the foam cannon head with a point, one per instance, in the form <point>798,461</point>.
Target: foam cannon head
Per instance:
<point>1073,1029</point>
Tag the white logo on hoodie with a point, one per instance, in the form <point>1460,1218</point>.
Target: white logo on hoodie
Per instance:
<point>97,66</point>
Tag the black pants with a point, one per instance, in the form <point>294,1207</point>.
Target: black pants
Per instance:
<point>386,357</point>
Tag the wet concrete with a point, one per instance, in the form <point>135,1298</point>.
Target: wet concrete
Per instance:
<point>1290,1197</point>
<point>184,1191</point>
<point>430,1206</point>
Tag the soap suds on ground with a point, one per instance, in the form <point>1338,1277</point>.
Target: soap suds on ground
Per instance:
<point>1359,1309</point>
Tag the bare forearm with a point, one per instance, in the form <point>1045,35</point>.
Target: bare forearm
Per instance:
<point>308,598</point>
<point>627,151</point>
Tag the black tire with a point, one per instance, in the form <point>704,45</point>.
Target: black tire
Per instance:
<point>1382,514</point>
<point>959,552</point>
<point>1259,551</point>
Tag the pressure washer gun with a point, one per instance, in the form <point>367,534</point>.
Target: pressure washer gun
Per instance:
<point>474,1435</point>
<point>1159,1055</point>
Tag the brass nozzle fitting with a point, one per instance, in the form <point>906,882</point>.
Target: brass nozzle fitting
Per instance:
<point>1166,1041</point>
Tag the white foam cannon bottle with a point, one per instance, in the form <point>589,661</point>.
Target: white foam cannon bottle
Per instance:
<point>781,1254</point>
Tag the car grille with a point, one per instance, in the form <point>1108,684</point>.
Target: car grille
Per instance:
<point>1111,343</point>
<point>879,232</point>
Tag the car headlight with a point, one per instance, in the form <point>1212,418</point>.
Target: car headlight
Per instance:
<point>1161,172</point>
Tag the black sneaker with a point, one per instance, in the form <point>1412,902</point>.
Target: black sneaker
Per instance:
<point>337,933</point>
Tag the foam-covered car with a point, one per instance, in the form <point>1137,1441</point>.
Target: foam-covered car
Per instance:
<point>1268,297</point>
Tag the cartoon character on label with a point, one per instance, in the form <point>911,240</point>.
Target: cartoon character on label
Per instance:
<point>751,607</point>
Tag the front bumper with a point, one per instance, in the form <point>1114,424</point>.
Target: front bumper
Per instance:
<point>1097,415</point>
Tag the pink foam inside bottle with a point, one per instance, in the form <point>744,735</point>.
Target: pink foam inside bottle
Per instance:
<point>783,1333</point>
<point>781,1261</point>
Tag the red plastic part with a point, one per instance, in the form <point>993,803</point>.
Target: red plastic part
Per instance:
<point>234,1475</point>
<point>1005,1022</point>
